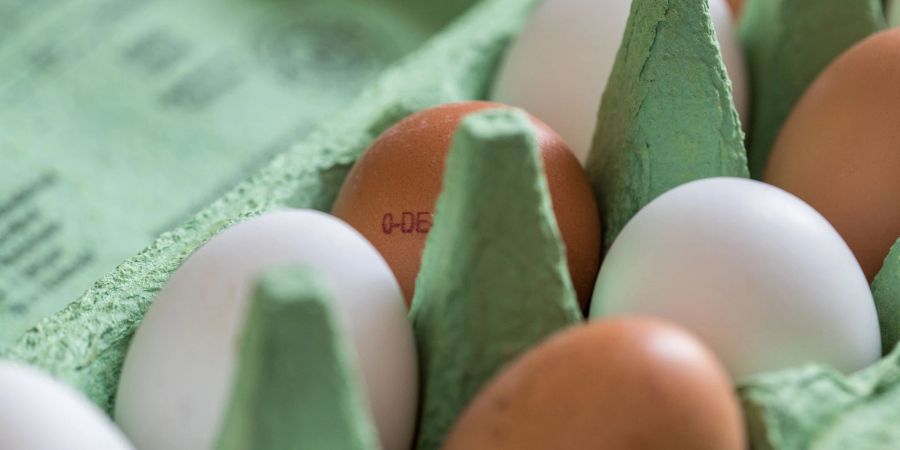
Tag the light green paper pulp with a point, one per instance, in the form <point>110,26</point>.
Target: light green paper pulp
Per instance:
<point>816,408</point>
<point>667,116</point>
<point>804,408</point>
<point>85,343</point>
<point>788,44</point>
<point>297,385</point>
<point>494,279</point>
<point>120,119</point>
<point>886,290</point>
<point>893,13</point>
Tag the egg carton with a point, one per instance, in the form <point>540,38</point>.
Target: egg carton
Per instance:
<point>667,111</point>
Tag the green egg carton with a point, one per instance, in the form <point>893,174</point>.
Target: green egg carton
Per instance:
<point>483,297</point>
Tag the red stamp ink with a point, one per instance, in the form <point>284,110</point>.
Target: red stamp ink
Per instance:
<point>409,222</point>
<point>423,222</point>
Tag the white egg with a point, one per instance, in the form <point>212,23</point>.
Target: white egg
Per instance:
<point>558,67</point>
<point>40,413</point>
<point>755,272</point>
<point>176,380</point>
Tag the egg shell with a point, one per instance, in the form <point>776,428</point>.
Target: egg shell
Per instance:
<point>559,66</point>
<point>401,175</point>
<point>737,6</point>
<point>756,273</point>
<point>624,384</point>
<point>40,413</point>
<point>178,373</point>
<point>840,148</point>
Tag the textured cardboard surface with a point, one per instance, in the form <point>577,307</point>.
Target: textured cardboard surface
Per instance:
<point>667,116</point>
<point>788,44</point>
<point>886,290</point>
<point>297,385</point>
<point>494,279</point>
<point>816,408</point>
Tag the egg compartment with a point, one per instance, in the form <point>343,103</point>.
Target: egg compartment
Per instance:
<point>85,344</point>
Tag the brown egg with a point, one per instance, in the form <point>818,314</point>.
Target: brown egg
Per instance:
<point>621,384</point>
<point>390,194</point>
<point>840,148</point>
<point>736,7</point>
